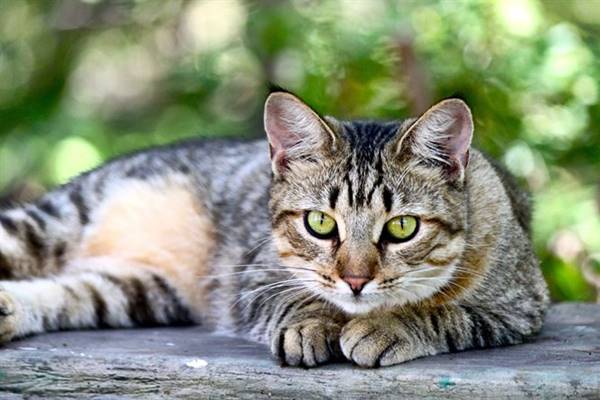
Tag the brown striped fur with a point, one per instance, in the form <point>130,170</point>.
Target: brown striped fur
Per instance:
<point>213,233</point>
<point>149,233</point>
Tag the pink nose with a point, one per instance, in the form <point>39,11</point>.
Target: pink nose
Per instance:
<point>356,283</point>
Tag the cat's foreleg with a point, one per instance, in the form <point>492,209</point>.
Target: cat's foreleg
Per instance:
<point>300,330</point>
<point>392,337</point>
<point>119,294</point>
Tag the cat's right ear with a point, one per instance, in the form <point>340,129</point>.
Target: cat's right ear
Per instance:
<point>443,136</point>
<point>294,130</point>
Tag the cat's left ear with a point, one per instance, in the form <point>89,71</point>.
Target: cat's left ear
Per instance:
<point>442,135</point>
<point>295,131</point>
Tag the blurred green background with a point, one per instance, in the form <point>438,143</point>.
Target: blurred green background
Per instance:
<point>83,81</point>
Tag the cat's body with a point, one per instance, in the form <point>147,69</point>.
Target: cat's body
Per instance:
<point>205,232</point>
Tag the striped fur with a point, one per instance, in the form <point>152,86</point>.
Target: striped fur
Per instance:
<point>211,232</point>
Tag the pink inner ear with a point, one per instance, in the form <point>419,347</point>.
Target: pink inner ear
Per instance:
<point>443,134</point>
<point>460,134</point>
<point>294,130</point>
<point>278,155</point>
<point>281,135</point>
<point>282,113</point>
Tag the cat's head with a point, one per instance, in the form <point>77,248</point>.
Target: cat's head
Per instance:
<point>369,214</point>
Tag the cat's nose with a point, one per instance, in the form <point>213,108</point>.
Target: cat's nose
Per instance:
<point>356,283</point>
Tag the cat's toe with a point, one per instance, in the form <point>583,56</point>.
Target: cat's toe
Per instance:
<point>307,343</point>
<point>371,343</point>
<point>8,322</point>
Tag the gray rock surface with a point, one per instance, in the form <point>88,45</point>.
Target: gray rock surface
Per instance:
<point>562,362</point>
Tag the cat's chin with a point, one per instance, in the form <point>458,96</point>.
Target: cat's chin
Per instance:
<point>364,304</point>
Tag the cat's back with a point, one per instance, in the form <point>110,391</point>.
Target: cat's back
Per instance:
<point>217,171</point>
<point>207,159</point>
<point>500,187</point>
<point>520,199</point>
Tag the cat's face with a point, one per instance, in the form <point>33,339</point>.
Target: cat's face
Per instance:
<point>369,214</point>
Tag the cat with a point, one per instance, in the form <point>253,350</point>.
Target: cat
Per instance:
<point>374,242</point>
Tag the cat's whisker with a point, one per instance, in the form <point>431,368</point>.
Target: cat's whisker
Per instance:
<point>294,296</point>
<point>456,268</point>
<point>250,267</point>
<point>272,268</point>
<point>279,283</point>
<point>244,272</point>
<point>272,286</point>
<point>279,293</point>
<point>301,289</point>
<point>444,283</point>
<point>456,285</point>
<point>256,271</point>
<point>282,266</point>
<point>261,242</point>
<point>420,284</point>
<point>468,270</point>
<point>250,297</point>
<point>452,291</point>
<point>247,265</point>
<point>411,296</point>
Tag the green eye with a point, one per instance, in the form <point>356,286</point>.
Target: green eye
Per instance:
<point>401,229</point>
<point>320,224</point>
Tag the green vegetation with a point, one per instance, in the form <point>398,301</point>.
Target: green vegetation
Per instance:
<point>83,81</point>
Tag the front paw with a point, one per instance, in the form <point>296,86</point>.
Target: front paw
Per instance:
<point>8,318</point>
<point>376,341</point>
<point>307,343</point>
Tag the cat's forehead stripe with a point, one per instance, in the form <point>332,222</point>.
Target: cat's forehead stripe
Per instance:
<point>366,137</point>
<point>379,180</point>
<point>348,183</point>
<point>387,199</point>
<point>333,197</point>
<point>364,166</point>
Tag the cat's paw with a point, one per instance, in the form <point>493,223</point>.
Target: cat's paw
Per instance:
<point>8,318</point>
<point>376,341</point>
<point>307,343</point>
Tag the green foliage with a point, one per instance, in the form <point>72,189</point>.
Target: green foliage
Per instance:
<point>83,81</point>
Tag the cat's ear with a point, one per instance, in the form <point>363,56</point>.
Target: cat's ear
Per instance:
<point>294,130</point>
<point>442,135</point>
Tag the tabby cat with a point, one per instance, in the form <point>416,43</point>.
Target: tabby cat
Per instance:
<point>377,242</point>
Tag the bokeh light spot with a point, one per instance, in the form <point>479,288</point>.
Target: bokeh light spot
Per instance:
<point>209,25</point>
<point>585,89</point>
<point>73,156</point>
<point>519,17</point>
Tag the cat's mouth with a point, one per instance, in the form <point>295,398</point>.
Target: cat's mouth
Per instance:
<point>365,303</point>
<point>357,295</point>
<point>373,296</point>
<point>356,302</point>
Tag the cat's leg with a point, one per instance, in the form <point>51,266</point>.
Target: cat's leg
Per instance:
<point>96,293</point>
<point>142,233</point>
<point>306,334</point>
<point>486,317</point>
<point>392,337</point>
<point>300,329</point>
<point>36,238</point>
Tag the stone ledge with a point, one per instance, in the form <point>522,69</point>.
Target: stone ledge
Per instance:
<point>564,361</point>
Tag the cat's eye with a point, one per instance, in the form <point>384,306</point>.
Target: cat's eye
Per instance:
<point>401,228</point>
<point>320,225</point>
